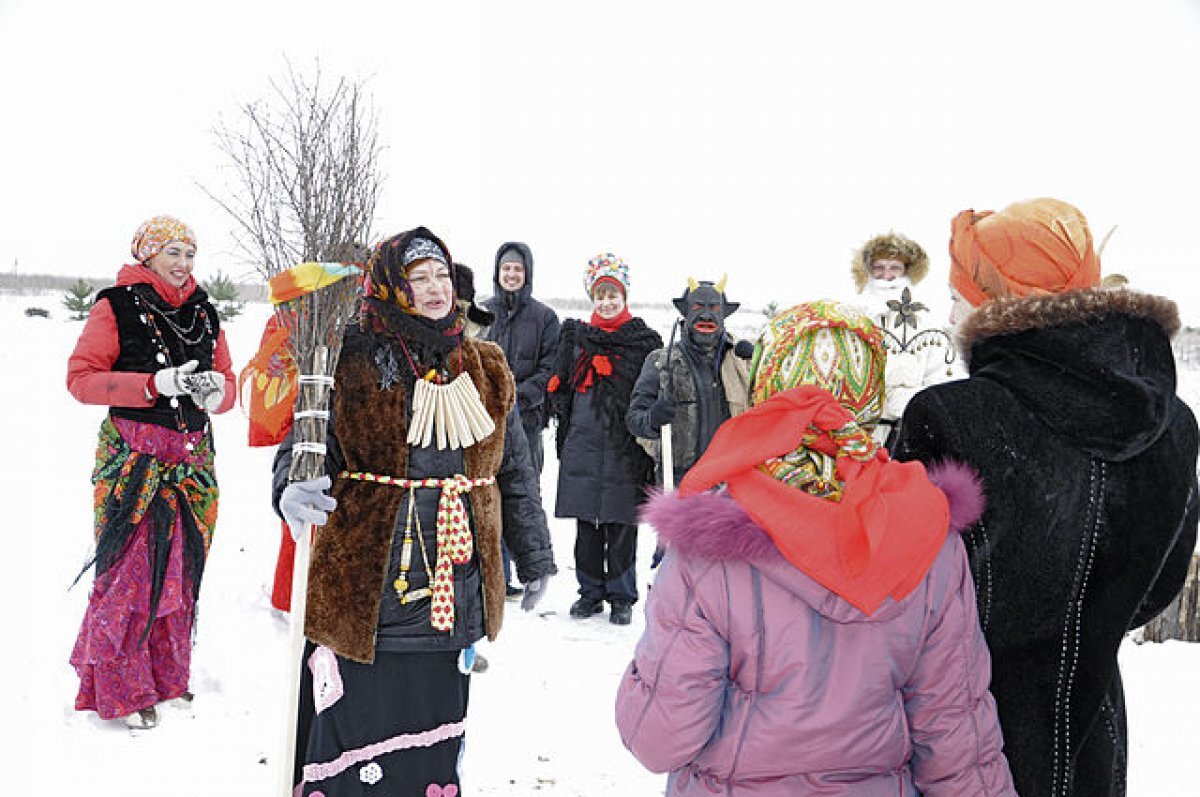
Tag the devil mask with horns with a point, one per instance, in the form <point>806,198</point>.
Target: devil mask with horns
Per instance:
<point>704,309</point>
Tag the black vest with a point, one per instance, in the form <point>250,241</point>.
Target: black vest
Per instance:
<point>189,332</point>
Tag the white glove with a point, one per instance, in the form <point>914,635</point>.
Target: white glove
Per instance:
<point>170,381</point>
<point>206,388</point>
<point>306,502</point>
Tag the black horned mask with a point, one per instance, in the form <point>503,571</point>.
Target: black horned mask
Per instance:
<point>704,309</point>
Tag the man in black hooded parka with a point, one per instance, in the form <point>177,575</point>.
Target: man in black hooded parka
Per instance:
<point>527,331</point>
<point>1088,463</point>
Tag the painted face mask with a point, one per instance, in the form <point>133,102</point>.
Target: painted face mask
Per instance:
<point>704,309</point>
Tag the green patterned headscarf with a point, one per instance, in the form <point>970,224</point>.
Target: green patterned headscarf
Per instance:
<point>834,347</point>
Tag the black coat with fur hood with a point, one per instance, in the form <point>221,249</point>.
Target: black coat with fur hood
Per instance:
<point>1088,460</point>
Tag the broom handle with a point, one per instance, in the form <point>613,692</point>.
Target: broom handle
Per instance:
<point>295,649</point>
<point>667,457</point>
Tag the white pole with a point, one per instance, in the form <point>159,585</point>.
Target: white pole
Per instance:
<point>667,457</point>
<point>295,649</point>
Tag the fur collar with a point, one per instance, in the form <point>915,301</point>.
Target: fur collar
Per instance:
<point>1020,314</point>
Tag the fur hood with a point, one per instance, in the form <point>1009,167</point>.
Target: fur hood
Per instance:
<point>1020,314</point>
<point>1094,366</point>
<point>713,526</point>
<point>891,244</point>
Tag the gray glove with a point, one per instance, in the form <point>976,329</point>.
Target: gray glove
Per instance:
<point>306,502</point>
<point>206,388</point>
<point>534,590</point>
<point>170,381</point>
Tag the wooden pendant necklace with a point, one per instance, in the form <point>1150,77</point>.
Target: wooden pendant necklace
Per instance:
<point>450,414</point>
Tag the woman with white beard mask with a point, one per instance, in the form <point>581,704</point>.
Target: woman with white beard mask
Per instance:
<point>919,352</point>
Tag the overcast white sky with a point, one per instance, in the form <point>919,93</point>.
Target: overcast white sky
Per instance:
<point>762,139</point>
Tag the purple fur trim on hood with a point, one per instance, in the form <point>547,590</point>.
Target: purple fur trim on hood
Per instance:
<point>713,526</point>
<point>709,525</point>
<point>963,490</point>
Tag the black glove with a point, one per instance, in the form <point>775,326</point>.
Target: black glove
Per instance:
<point>662,412</point>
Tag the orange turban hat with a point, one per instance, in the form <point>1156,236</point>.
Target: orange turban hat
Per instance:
<point>1032,248</point>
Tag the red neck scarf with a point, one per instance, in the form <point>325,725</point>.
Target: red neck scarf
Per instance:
<point>611,324</point>
<point>134,274</point>
<point>878,541</point>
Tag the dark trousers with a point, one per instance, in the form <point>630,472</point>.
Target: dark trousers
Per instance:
<point>605,564</point>
<point>533,433</point>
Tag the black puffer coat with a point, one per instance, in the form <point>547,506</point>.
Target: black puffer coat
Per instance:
<point>527,331</point>
<point>602,471</point>
<point>1088,461</point>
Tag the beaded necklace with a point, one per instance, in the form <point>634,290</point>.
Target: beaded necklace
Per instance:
<point>401,583</point>
<point>149,314</point>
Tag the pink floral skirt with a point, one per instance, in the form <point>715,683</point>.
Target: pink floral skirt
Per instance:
<point>119,672</point>
<point>121,668</point>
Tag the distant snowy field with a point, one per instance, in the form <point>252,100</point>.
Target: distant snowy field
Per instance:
<point>541,719</point>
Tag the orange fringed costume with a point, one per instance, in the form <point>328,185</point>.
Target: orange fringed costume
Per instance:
<point>271,376</point>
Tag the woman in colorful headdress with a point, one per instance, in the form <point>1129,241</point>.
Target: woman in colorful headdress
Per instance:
<point>153,352</point>
<point>602,471</point>
<point>1088,458</point>
<point>812,628</point>
<point>428,467</point>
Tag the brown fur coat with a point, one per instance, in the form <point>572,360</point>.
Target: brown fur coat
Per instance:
<point>350,553</point>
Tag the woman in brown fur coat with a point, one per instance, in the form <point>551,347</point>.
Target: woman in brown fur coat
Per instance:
<point>406,572</point>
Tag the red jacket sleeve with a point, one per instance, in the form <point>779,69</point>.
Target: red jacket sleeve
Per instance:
<point>223,364</point>
<point>90,377</point>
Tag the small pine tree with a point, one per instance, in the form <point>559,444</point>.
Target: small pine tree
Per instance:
<point>79,300</point>
<point>223,293</point>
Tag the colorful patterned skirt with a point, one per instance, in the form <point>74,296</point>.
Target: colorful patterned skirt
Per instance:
<point>156,505</point>
<point>395,726</point>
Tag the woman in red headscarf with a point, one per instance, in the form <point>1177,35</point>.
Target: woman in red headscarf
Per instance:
<point>153,352</point>
<point>1088,460</point>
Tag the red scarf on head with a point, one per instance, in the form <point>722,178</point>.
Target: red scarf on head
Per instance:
<point>878,541</point>
<point>611,324</point>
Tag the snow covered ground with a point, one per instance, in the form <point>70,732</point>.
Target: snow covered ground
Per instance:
<point>540,718</point>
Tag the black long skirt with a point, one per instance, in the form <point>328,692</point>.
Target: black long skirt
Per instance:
<point>394,727</point>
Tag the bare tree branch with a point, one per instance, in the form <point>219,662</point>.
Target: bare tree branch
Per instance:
<point>303,172</point>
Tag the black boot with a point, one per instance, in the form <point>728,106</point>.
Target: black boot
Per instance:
<point>586,607</point>
<point>621,614</point>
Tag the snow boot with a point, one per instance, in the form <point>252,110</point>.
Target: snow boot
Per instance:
<point>586,607</point>
<point>621,614</point>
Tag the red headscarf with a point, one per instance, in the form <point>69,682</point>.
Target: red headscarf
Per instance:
<point>879,540</point>
<point>1038,247</point>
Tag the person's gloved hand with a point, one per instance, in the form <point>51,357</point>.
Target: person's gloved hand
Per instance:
<point>662,412</point>
<point>206,388</point>
<point>306,502</point>
<point>170,381</point>
<point>534,590</point>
